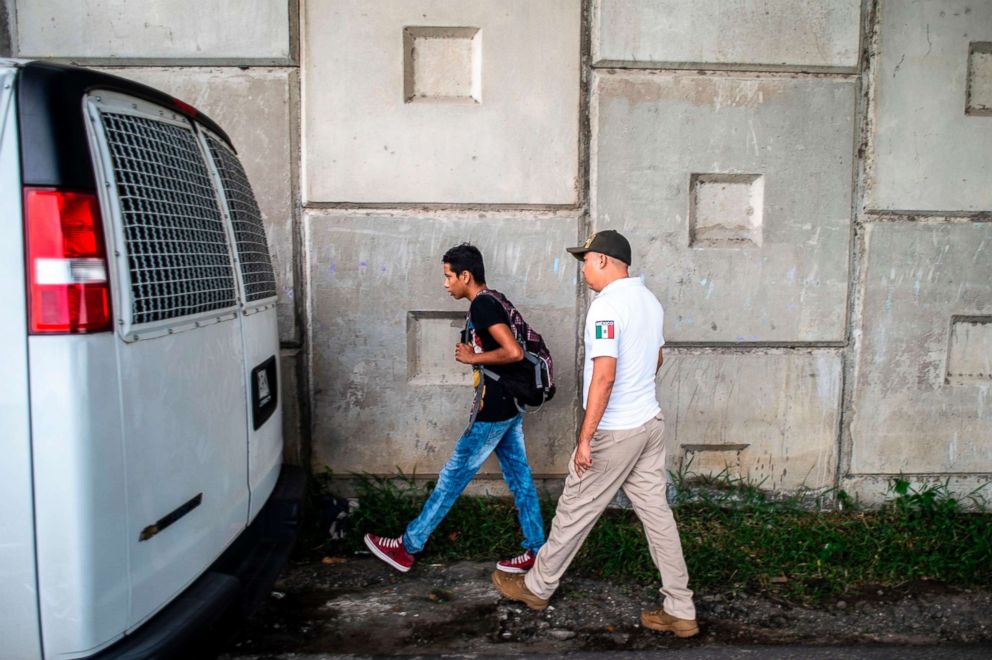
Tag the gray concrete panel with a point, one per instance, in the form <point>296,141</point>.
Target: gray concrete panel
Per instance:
<point>771,417</point>
<point>5,36</point>
<point>736,195</point>
<point>430,101</point>
<point>875,490</point>
<point>253,106</point>
<point>923,391</point>
<point>372,278</point>
<point>930,153</point>
<point>294,447</point>
<point>189,29</point>
<point>745,32</point>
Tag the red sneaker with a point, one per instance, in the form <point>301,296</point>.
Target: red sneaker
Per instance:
<point>520,564</point>
<point>390,551</point>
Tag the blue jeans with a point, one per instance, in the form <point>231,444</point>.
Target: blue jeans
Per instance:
<point>506,438</point>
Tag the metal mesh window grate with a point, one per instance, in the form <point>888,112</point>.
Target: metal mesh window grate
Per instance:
<point>249,232</point>
<point>177,249</point>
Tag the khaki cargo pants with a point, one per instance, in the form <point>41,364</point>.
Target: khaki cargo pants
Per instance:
<point>632,459</point>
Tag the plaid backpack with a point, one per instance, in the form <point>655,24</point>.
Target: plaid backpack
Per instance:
<point>539,386</point>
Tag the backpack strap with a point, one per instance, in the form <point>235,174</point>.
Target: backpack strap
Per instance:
<point>536,361</point>
<point>495,377</point>
<point>476,401</point>
<point>507,306</point>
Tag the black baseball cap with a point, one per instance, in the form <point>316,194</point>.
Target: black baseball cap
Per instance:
<point>609,242</point>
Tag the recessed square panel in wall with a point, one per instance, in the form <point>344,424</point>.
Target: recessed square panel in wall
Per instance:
<point>979,79</point>
<point>442,64</point>
<point>188,29</point>
<point>430,346</point>
<point>932,139</point>
<point>712,459</point>
<point>725,210</point>
<point>387,391</point>
<point>798,33</point>
<point>923,393</point>
<point>441,102</point>
<point>969,359</point>
<point>735,193</point>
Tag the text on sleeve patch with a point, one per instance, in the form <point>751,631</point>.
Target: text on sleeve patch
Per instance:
<point>604,330</point>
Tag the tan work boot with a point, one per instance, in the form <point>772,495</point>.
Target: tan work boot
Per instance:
<point>512,586</point>
<point>665,622</point>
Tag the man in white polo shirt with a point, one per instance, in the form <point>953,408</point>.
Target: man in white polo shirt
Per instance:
<point>620,440</point>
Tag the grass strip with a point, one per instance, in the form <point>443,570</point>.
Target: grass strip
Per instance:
<point>735,537</point>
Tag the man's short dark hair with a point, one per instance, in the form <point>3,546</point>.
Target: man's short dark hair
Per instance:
<point>466,257</point>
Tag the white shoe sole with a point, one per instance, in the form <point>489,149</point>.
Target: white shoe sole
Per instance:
<point>511,569</point>
<point>383,556</point>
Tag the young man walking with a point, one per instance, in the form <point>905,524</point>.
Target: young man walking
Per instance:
<point>620,440</point>
<point>497,424</point>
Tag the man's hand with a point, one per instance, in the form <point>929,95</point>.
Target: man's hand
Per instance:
<point>464,353</point>
<point>604,373</point>
<point>583,457</point>
<point>507,352</point>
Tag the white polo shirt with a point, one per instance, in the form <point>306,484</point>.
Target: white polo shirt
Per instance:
<point>625,321</point>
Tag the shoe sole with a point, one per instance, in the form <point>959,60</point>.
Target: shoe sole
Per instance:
<point>660,627</point>
<point>511,569</point>
<point>384,557</point>
<point>539,607</point>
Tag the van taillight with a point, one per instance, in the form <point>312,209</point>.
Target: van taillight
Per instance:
<point>68,289</point>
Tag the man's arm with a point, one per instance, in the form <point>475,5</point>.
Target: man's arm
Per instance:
<point>509,350</point>
<point>661,359</point>
<point>604,374</point>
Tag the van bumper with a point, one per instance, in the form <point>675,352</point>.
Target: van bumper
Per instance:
<point>231,588</point>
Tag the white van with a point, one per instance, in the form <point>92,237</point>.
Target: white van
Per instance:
<point>140,422</point>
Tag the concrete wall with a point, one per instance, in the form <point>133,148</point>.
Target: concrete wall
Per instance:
<point>925,365</point>
<point>183,29</point>
<point>506,132</point>
<point>383,331</point>
<point>807,185</point>
<point>744,236</point>
<point>730,164</point>
<point>918,389</point>
<point>931,142</point>
<point>4,30</point>
<point>765,34</point>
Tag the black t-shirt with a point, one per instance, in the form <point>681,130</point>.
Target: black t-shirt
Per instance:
<point>485,312</point>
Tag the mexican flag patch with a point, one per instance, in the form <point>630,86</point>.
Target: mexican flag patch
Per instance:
<point>604,330</point>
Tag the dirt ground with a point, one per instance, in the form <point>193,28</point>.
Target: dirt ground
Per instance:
<point>361,606</point>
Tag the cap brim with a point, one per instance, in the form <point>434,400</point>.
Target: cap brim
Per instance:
<point>577,252</point>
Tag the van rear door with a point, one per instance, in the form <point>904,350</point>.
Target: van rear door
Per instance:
<point>179,346</point>
<point>259,327</point>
